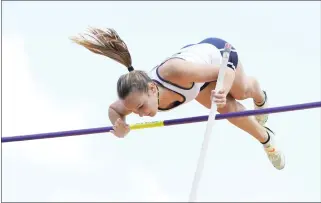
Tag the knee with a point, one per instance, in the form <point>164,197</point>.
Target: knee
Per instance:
<point>241,96</point>
<point>242,93</point>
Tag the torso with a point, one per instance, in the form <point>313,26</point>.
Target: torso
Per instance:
<point>177,93</point>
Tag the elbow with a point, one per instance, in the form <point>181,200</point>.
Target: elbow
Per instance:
<point>111,111</point>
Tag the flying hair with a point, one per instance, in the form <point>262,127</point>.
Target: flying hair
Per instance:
<point>108,43</point>
<point>105,42</point>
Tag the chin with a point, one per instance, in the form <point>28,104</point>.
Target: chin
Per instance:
<point>152,114</point>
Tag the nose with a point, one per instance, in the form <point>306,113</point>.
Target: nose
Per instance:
<point>141,114</point>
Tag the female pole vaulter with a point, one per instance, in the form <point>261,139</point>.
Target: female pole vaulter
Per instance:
<point>189,74</point>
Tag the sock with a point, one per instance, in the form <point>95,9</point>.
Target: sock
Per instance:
<point>260,104</point>
<point>267,142</point>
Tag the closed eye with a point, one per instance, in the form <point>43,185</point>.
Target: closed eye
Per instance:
<point>139,107</point>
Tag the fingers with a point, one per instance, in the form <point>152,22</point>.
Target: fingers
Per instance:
<point>120,128</point>
<point>118,122</point>
<point>220,101</point>
<point>219,94</point>
<point>220,91</point>
<point>219,98</point>
<point>117,134</point>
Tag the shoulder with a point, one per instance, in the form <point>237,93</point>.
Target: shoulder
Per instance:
<point>171,69</point>
<point>193,63</point>
<point>186,72</point>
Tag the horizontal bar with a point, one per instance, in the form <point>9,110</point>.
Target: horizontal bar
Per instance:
<point>186,120</point>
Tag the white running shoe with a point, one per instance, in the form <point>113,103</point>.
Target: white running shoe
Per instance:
<point>273,152</point>
<point>262,118</point>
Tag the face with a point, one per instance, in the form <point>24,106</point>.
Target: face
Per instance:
<point>142,103</point>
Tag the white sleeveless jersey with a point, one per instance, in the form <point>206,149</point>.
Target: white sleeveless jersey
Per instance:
<point>199,53</point>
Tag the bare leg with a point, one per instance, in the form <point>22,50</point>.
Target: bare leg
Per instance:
<point>245,87</point>
<point>254,90</point>
<point>247,124</point>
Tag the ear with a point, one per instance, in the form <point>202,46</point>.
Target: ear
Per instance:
<point>152,87</point>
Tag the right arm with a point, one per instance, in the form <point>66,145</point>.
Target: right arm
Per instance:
<point>117,110</point>
<point>117,114</point>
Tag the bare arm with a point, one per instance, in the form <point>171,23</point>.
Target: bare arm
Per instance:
<point>186,72</point>
<point>117,110</point>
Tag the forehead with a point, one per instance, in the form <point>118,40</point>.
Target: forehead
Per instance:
<point>134,99</point>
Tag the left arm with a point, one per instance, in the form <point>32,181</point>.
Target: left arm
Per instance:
<point>187,72</point>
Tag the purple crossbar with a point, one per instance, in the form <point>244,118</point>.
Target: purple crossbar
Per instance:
<point>166,122</point>
<point>279,109</point>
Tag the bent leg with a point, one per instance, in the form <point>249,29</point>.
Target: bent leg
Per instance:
<point>247,124</point>
<point>245,87</point>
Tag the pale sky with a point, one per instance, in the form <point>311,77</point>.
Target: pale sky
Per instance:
<point>51,84</point>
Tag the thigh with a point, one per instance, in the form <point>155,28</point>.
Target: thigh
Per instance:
<point>204,97</point>
<point>239,86</point>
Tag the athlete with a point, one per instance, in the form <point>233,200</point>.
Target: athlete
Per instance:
<point>189,74</point>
